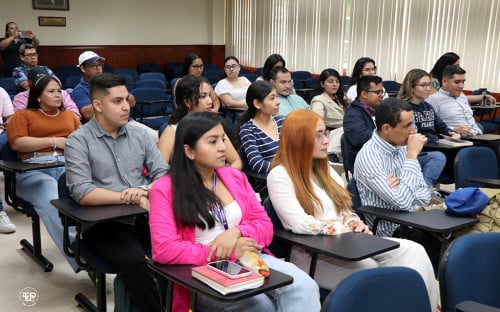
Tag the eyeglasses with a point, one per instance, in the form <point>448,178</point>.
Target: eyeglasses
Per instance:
<point>234,66</point>
<point>369,70</point>
<point>31,55</point>
<point>321,135</point>
<point>197,66</point>
<point>378,92</point>
<point>424,85</point>
<point>94,65</point>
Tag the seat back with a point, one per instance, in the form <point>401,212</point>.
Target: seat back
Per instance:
<point>129,80</point>
<point>150,82</point>
<point>356,199</point>
<point>152,106</point>
<point>380,289</point>
<point>349,155</point>
<point>279,249</point>
<point>148,67</point>
<point>153,75</point>
<point>469,271</point>
<point>72,81</point>
<point>475,162</point>
<point>301,75</point>
<point>9,85</point>
<point>129,71</point>
<point>391,86</point>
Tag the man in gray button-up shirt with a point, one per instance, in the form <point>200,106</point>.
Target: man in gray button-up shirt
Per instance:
<point>104,162</point>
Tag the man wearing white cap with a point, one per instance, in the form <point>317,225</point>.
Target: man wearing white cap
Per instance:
<point>91,64</point>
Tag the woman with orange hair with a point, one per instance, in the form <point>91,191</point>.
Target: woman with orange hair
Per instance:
<point>309,198</point>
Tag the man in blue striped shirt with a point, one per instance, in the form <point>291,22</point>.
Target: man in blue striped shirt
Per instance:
<point>388,174</point>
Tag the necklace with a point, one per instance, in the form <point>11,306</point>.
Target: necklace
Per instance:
<point>50,116</point>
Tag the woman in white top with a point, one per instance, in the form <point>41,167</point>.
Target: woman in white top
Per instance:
<point>232,90</point>
<point>364,66</point>
<point>309,198</point>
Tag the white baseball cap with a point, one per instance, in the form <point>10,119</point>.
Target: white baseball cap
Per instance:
<point>90,57</point>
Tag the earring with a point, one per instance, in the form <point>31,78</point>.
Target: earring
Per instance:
<point>38,100</point>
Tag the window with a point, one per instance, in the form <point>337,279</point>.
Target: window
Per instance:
<point>398,34</point>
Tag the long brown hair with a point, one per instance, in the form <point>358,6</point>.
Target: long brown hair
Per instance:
<point>295,153</point>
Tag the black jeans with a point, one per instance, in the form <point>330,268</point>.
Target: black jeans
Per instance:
<point>431,244</point>
<point>125,246</point>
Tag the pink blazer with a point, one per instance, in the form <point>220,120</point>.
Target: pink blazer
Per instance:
<point>174,245</point>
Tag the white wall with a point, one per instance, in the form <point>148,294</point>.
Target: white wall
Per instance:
<point>123,22</point>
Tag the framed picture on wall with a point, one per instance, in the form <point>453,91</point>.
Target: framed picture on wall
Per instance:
<point>51,5</point>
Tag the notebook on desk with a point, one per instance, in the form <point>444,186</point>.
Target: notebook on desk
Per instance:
<point>226,285</point>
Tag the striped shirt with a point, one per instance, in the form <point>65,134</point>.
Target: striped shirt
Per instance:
<point>374,162</point>
<point>258,146</point>
<point>454,111</point>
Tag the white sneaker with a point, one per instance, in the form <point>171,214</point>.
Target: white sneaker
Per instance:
<point>6,226</point>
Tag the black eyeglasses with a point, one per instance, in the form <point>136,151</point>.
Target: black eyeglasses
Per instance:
<point>378,92</point>
<point>234,66</point>
<point>31,54</point>
<point>94,65</point>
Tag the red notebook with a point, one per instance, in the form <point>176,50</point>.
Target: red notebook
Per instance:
<point>226,285</point>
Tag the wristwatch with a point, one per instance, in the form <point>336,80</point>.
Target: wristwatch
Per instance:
<point>145,187</point>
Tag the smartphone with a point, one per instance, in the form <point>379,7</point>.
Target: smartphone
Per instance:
<point>26,33</point>
<point>229,269</point>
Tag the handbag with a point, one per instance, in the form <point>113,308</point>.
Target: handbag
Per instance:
<point>465,201</point>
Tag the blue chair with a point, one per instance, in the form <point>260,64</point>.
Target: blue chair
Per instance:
<point>244,70</point>
<point>148,67</point>
<point>312,83</point>
<point>72,81</point>
<point>475,162</point>
<point>380,289</point>
<point>213,75</point>
<point>347,152</point>
<point>129,79</point>
<point>9,85</point>
<point>469,271</point>
<point>173,70</point>
<point>152,107</point>
<point>250,76</point>
<point>391,87</point>
<point>153,75</point>
<point>302,75</point>
<point>259,71</point>
<point>356,199</point>
<point>155,83</point>
<point>258,181</point>
<point>344,81</point>
<point>129,71</point>
<point>63,72</point>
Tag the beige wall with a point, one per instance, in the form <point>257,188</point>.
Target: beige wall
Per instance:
<point>124,22</point>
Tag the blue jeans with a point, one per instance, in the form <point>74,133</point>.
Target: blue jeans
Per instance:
<point>302,295</point>
<point>39,187</point>
<point>432,165</point>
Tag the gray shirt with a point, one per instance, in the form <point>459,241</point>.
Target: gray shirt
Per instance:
<point>95,159</point>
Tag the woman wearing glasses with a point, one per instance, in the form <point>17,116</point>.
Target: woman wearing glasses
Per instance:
<point>364,66</point>
<point>415,89</point>
<point>232,90</point>
<point>193,65</point>
<point>309,198</point>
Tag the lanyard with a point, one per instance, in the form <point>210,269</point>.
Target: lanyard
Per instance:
<point>218,209</point>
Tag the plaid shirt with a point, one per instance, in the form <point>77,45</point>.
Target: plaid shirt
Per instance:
<point>20,73</point>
